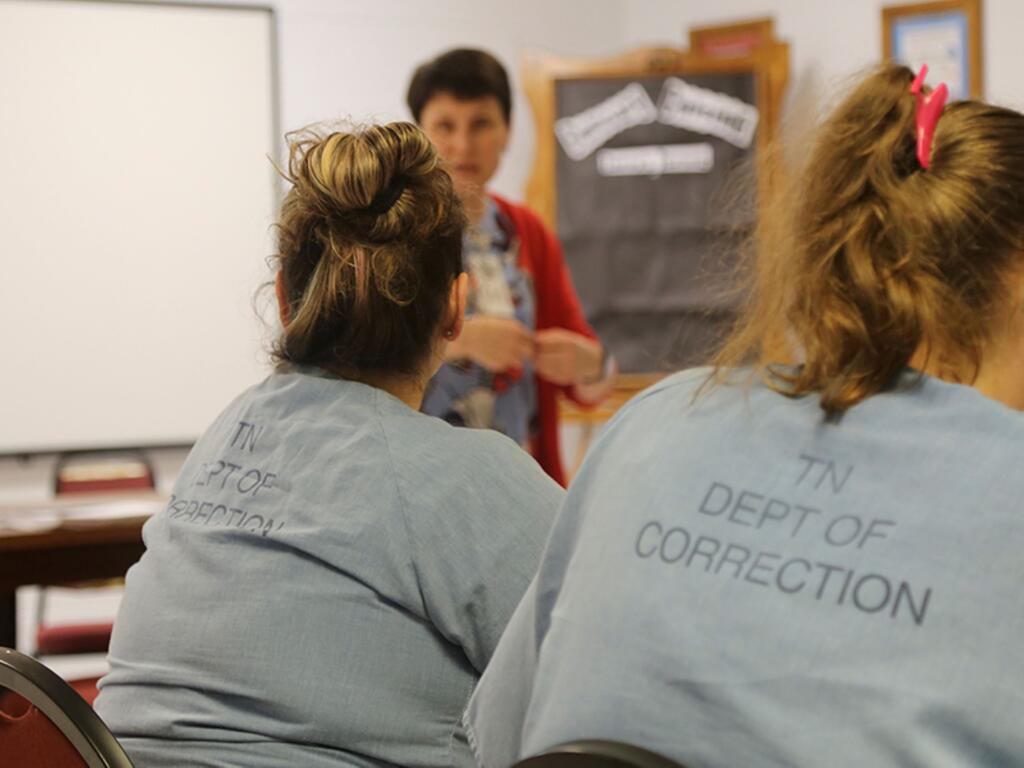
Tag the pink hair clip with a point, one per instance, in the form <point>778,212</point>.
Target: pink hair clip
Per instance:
<point>929,107</point>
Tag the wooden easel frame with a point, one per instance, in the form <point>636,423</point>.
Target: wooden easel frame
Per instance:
<point>971,10</point>
<point>542,72</point>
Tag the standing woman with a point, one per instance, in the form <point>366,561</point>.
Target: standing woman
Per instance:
<point>334,567</point>
<point>525,337</point>
<point>822,568</point>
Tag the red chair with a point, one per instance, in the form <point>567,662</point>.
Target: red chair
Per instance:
<point>87,473</point>
<point>45,724</point>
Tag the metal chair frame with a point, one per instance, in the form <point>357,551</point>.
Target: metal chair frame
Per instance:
<point>597,752</point>
<point>68,711</point>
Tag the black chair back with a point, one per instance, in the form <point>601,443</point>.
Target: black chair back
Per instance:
<point>597,754</point>
<point>63,707</point>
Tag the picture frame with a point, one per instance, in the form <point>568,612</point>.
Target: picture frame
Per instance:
<point>736,39</point>
<point>945,35</point>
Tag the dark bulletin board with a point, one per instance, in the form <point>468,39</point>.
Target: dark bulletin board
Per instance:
<point>637,200</point>
<point>644,248</point>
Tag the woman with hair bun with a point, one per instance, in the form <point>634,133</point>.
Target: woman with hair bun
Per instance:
<point>815,564</point>
<point>334,568</point>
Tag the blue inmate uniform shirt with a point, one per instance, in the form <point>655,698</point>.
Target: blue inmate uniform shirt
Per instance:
<point>463,393</point>
<point>737,583</point>
<point>329,578</point>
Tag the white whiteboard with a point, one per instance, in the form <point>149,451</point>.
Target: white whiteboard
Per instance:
<point>136,198</point>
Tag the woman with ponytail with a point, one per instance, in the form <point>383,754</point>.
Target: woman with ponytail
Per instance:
<point>334,568</point>
<point>819,563</point>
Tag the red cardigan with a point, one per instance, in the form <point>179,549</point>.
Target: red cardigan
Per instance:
<point>557,306</point>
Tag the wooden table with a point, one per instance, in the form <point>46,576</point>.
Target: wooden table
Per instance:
<point>590,420</point>
<point>76,540</point>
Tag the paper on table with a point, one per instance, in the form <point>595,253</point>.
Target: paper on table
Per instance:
<point>29,520</point>
<point>44,518</point>
<point>111,510</point>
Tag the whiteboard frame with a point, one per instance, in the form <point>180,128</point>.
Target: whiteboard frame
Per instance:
<point>275,122</point>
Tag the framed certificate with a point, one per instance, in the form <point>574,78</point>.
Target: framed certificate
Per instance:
<point>945,35</point>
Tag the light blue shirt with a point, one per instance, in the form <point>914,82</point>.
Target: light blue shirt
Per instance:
<point>734,582</point>
<point>331,574</point>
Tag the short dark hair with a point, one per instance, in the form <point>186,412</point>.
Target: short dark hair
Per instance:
<point>466,73</point>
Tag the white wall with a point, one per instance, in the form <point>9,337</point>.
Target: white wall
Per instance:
<point>832,39</point>
<point>348,57</point>
<point>352,59</point>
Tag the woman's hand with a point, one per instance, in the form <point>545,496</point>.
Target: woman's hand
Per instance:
<point>496,343</point>
<point>566,357</point>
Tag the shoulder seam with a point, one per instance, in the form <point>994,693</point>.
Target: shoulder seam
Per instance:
<point>654,389</point>
<point>471,739</point>
<point>665,384</point>
<point>402,504</point>
<point>523,211</point>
